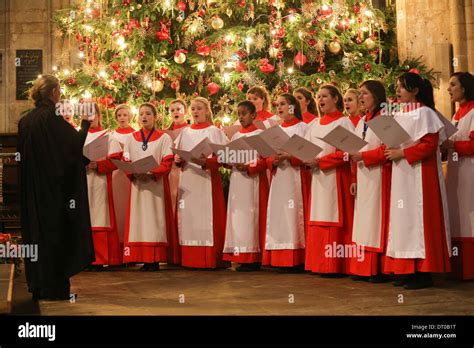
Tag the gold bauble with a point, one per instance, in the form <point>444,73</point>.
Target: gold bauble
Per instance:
<point>335,47</point>
<point>157,85</point>
<point>369,43</point>
<point>217,23</point>
<point>180,58</point>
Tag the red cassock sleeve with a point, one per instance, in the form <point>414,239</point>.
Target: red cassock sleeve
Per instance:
<point>295,162</point>
<point>374,157</point>
<point>465,148</point>
<point>106,166</point>
<point>426,148</point>
<point>211,163</point>
<point>333,160</point>
<point>258,168</point>
<point>164,168</point>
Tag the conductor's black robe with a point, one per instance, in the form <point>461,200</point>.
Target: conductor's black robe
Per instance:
<point>54,202</point>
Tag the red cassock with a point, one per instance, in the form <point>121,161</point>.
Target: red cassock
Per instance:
<point>121,184</point>
<point>331,203</point>
<point>461,191</point>
<point>355,120</point>
<point>150,233</point>
<point>247,211</point>
<point>101,204</point>
<point>372,202</point>
<point>418,234</point>
<point>201,212</point>
<point>308,117</point>
<point>174,176</point>
<point>286,211</point>
<point>263,115</point>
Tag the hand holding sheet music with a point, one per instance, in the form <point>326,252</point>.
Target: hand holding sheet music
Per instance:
<point>200,150</point>
<point>389,131</point>
<point>97,149</point>
<point>301,148</point>
<point>140,166</point>
<point>344,140</point>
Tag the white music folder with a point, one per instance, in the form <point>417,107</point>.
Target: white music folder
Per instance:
<point>97,149</point>
<point>344,140</point>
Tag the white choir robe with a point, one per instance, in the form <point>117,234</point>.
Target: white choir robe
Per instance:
<point>461,191</point>
<point>418,236</point>
<point>101,203</point>
<point>246,209</point>
<point>121,184</point>
<point>331,205</point>
<point>285,230</point>
<point>372,201</point>
<point>149,225</point>
<point>201,210</point>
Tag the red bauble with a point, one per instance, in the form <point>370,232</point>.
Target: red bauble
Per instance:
<point>240,86</point>
<point>311,42</point>
<point>343,25</point>
<point>163,72</point>
<point>326,10</point>
<point>213,88</point>
<point>300,59</point>
<point>163,34</point>
<point>241,3</point>
<point>266,67</point>
<point>203,50</point>
<point>173,85</point>
<point>368,67</point>
<point>126,2</point>
<point>201,13</point>
<point>277,44</point>
<point>280,55</point>
<point>71,81</point>
<point>356,9</point>
<point>240,66</point>
<point>138,94</point>
<point>182,6</point>
<point>415,71</point>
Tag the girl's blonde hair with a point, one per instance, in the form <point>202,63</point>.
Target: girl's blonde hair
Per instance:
<point>151,106</point>
<point>262,93</point>
<point>122,107</point>
<point>357,94</point>
<point>180,101</point>
<point>207,104</point>
<point>43,88</point>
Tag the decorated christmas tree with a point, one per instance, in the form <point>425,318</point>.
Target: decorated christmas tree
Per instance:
<point>156,50</point>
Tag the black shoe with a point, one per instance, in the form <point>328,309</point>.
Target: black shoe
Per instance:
<point>153,267</point>
<point>402,280</point>
<point>379,278</point>
<point>145,267</point>
<point>248,267</point>
<point>420,281</point>
<point>294,269</point>
<point>357,278</point>
<point>333,275</point>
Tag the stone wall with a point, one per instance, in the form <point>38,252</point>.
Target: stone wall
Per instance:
<point>441,32</point>
<point>25,24</point>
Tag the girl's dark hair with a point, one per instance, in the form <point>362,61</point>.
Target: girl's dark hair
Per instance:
<point>377,89</point>
<point>291,100</point>
<point>467,82</point>
<point>249,105</point>
<point>307,94</point>
<point>411,81</point>
<point>334,92</point>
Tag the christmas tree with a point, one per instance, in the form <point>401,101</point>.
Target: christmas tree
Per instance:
<point>156,50</point>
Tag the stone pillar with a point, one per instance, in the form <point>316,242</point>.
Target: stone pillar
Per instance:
<point>458,34</point>
<point>469,11</point>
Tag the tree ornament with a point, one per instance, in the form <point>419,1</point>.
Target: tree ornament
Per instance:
<point>157,85</point>
<point>180,56</point>
<point>273,52</point>
<point>181,6</point>
<point>369,43</point>
<point>240,86</point>
<point>300,59</point>
<point>265,66</point>
<point>335,47</point>
<point>213,88</point>
<point>368,67</point>
<point>217,23</point>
